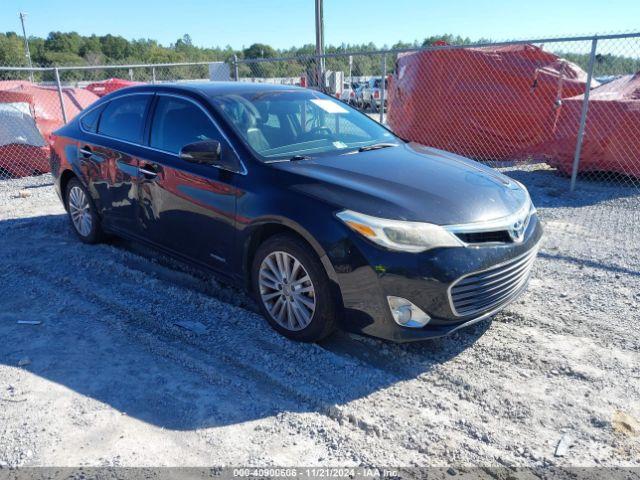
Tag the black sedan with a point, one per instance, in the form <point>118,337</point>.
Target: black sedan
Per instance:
<point>324,215</point>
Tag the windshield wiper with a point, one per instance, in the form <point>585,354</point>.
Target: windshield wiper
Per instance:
<point>376,146</point>
<point>299,157</point>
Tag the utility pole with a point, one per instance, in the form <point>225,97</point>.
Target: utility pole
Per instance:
<point>22,16</point>
<point>320,41</point>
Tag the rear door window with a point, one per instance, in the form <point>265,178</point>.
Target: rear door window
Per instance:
<point>123,118</point>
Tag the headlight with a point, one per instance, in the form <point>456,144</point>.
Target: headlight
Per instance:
<point>399,235</point>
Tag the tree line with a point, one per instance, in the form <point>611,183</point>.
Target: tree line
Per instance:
<point>71,49</point>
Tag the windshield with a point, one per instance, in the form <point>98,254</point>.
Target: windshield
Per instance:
<point>284,124</point>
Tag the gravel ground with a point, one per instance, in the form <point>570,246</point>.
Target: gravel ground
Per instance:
<point>108,379</point>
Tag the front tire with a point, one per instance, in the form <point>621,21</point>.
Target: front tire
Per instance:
<point>293,290</point>
<point>82,213</point>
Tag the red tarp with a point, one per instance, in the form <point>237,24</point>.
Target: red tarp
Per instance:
<point>488,103</point>
<point>10,84</point>
<point>611,139</point>
<point>21,160</point>
<point>110,85</point>
<point>23,151</point>
<point>25,107</point>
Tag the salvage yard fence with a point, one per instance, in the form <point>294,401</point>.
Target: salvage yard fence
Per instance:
<point>559,114</point>
<point>500,103</point>
<point>508,103</point>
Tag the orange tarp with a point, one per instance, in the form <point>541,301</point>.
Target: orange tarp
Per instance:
<point>487,103</point>
<point>110,85</point>
<point>46,103</point>
<point>20,153</point>
<point>611,139</point>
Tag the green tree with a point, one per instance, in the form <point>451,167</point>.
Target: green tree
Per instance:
<point>70,48</point>
<point>115,47</point>
<point>90,45</point>
<point>12,50</point>
<point>64,42</point>
<point>259,50</point>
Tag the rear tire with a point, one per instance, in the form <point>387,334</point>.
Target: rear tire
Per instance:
<point>82,213</point>
<point>293,290</point>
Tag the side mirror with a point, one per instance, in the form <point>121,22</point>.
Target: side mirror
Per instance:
<point>206,152</point>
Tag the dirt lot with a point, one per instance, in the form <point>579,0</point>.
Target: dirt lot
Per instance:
<point>108,379</point>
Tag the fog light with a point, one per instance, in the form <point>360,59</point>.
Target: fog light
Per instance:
<point>406,313</point>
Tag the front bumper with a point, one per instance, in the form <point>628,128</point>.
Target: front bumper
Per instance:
<point>368,274</point>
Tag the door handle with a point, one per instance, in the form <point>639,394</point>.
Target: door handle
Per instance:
<point>149,171</point>
<point>86,151</point>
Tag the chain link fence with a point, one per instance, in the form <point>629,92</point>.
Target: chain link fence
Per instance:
<point>561,115</point>
<point>499,103</point>
<point>34,102</point>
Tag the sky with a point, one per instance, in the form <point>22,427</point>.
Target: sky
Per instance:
<point>286,23</point>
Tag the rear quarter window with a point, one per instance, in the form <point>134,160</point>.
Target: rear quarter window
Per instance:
<point>89,120</point>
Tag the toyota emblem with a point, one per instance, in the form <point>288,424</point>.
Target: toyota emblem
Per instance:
<point>516,232</point>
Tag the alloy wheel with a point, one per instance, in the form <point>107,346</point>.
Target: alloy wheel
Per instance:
<point>80,211</point>
<point>286,290</point>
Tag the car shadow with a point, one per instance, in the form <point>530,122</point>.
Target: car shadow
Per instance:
<point>107,330</point>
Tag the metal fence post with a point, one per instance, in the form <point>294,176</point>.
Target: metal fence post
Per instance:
<point>236,76</point>
<point>60,96</point>
<point>153,75</point>
<point>583,114</point>
<point>319,64</point>
<point>350,74</point>
<point>383,83</point>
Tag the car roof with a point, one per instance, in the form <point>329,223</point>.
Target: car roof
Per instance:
<point>213,89</point>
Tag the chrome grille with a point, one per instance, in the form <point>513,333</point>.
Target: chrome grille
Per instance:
<point>489,289</point>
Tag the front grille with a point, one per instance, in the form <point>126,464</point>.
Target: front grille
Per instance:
<point>489,289</point>
<point>497,236</point>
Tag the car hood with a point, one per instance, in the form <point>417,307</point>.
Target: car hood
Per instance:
<point>409,182</point>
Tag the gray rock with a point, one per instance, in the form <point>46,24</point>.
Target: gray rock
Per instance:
<point>563,446</point>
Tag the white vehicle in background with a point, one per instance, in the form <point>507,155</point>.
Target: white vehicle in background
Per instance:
<point>359,103</point>
<point>372,94</point>
<point>348,93</point>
